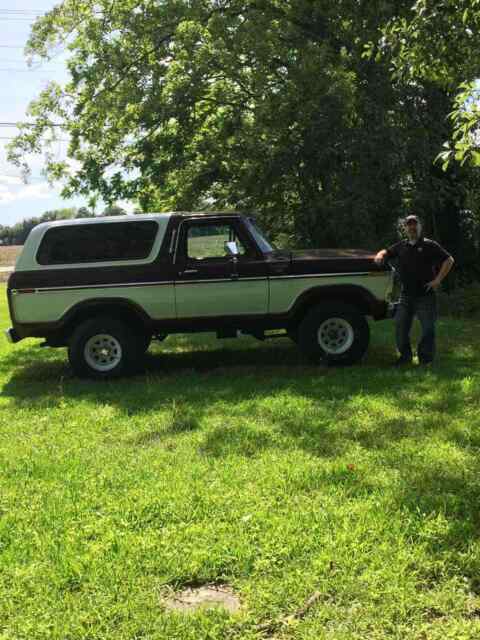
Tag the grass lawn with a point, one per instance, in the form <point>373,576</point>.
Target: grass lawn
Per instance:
<point>235,462</point>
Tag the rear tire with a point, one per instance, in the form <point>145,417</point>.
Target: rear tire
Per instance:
<point>146,341</point>
<point>104,347</point>
<point>335,333</point>
<point>292,333</point>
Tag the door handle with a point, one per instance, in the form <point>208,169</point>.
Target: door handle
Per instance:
<point>189,271</point>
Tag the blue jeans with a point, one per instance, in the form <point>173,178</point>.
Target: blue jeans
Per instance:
<point>425,308</point>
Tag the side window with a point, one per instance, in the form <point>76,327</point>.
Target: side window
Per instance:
<point>207,241</point>
<point>106,242</point>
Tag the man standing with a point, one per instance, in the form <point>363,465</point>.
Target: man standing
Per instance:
<point>422,265</point>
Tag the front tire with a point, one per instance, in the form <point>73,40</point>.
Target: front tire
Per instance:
<point>104,347</point>
<point>335,333</point>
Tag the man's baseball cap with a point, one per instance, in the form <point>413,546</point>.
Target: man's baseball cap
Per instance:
<point>412,218</point>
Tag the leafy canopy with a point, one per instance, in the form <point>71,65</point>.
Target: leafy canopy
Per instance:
<point>439,41</point>
<point>274,105</point>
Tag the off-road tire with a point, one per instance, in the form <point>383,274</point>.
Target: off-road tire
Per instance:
<point>146,341</point>
<point>292,333</point>
<point>125,347</point>
<point>350,325</point>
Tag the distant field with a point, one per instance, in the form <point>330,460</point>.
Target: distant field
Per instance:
<point>8,255</point>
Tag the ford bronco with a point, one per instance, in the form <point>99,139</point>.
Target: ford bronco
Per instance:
<point>105,287</point>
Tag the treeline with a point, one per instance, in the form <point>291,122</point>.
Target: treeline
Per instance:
<point>17,233</point>
<point>330,120</point>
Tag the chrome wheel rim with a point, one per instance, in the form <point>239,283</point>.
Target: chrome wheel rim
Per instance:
<point>335,336</point>
<point>102,352</point>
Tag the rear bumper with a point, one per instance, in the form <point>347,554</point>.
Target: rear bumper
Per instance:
<point>12,336</point>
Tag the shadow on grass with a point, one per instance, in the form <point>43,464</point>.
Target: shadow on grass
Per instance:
<point>204,376</point>
<point>374,407</point>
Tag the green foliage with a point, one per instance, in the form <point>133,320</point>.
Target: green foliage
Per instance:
<point>113,210</point>
<point>282,107</point>
<point>438,42</point>
<point>286,479</point>
<point>17,233</point>
<point>461,302</point>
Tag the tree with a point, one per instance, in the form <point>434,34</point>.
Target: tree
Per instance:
<point>438,42</point>
<point>17,233</point>
<point>114,210</point>
<point>84,212</point>
<point>266,105</point>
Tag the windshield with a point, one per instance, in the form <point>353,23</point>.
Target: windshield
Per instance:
<point>262,242</point>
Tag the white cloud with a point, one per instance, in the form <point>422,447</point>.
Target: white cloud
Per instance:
<point>24,192</point>
<point>5,195</point>
<point>73,164</point>
<point>10,180</point>
<point>127,205</point>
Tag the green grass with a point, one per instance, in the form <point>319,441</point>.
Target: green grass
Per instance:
<point>236,462</point>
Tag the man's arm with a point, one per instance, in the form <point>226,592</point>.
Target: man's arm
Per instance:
<point>443,273</point>
<point>391,252</point>
<point>380,257</point>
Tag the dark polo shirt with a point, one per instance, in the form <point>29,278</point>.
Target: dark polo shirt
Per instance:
<point>418,264</point>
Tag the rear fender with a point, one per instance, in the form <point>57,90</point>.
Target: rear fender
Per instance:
<point>353,295</point>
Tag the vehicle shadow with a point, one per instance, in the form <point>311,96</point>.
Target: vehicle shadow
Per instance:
<point>258,368</point>
<point>391,415</point>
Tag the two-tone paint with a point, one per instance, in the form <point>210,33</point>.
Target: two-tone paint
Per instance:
<point>169,292</point>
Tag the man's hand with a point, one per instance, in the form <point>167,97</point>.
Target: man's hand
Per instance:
<point>380,257</point>
<point>444,270</point>
<point>433,285</point>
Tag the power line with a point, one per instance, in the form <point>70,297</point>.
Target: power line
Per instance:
<point>15,137</point>
<point>18,14</point>
<point>11,69</point>
<point>20,61</point>
<point>9,10</point>
<point>29,124</point>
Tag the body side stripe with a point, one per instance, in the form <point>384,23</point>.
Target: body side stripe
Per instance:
<point>186,282</point>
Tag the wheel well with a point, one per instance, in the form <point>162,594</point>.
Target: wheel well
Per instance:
<point>125,311</point>
<point>353,296</point>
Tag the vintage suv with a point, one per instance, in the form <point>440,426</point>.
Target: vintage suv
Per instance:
<point>104,287</point>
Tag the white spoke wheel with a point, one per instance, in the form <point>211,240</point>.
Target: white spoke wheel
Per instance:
<point>335,332</point>
<point>102,352</point>
<point>335,336</point>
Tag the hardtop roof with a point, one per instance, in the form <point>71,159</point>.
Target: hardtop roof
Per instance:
<point>137,217</point>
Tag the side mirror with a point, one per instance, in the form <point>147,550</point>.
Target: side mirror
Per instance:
<point>231,249</point>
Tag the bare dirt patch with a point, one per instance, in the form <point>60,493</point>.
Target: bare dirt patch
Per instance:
<point>204,597</point>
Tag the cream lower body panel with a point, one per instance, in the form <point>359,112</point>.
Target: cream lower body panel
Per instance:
<point>222,298</point>
<point>284,291</point>
<point>165,302</point>
<point>50,305</point>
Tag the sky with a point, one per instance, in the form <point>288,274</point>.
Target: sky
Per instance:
<point>19,84</point>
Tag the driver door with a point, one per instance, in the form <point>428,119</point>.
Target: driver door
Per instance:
<point>209,282</point>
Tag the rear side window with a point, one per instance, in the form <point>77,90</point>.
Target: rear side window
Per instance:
<point>97,242</point>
